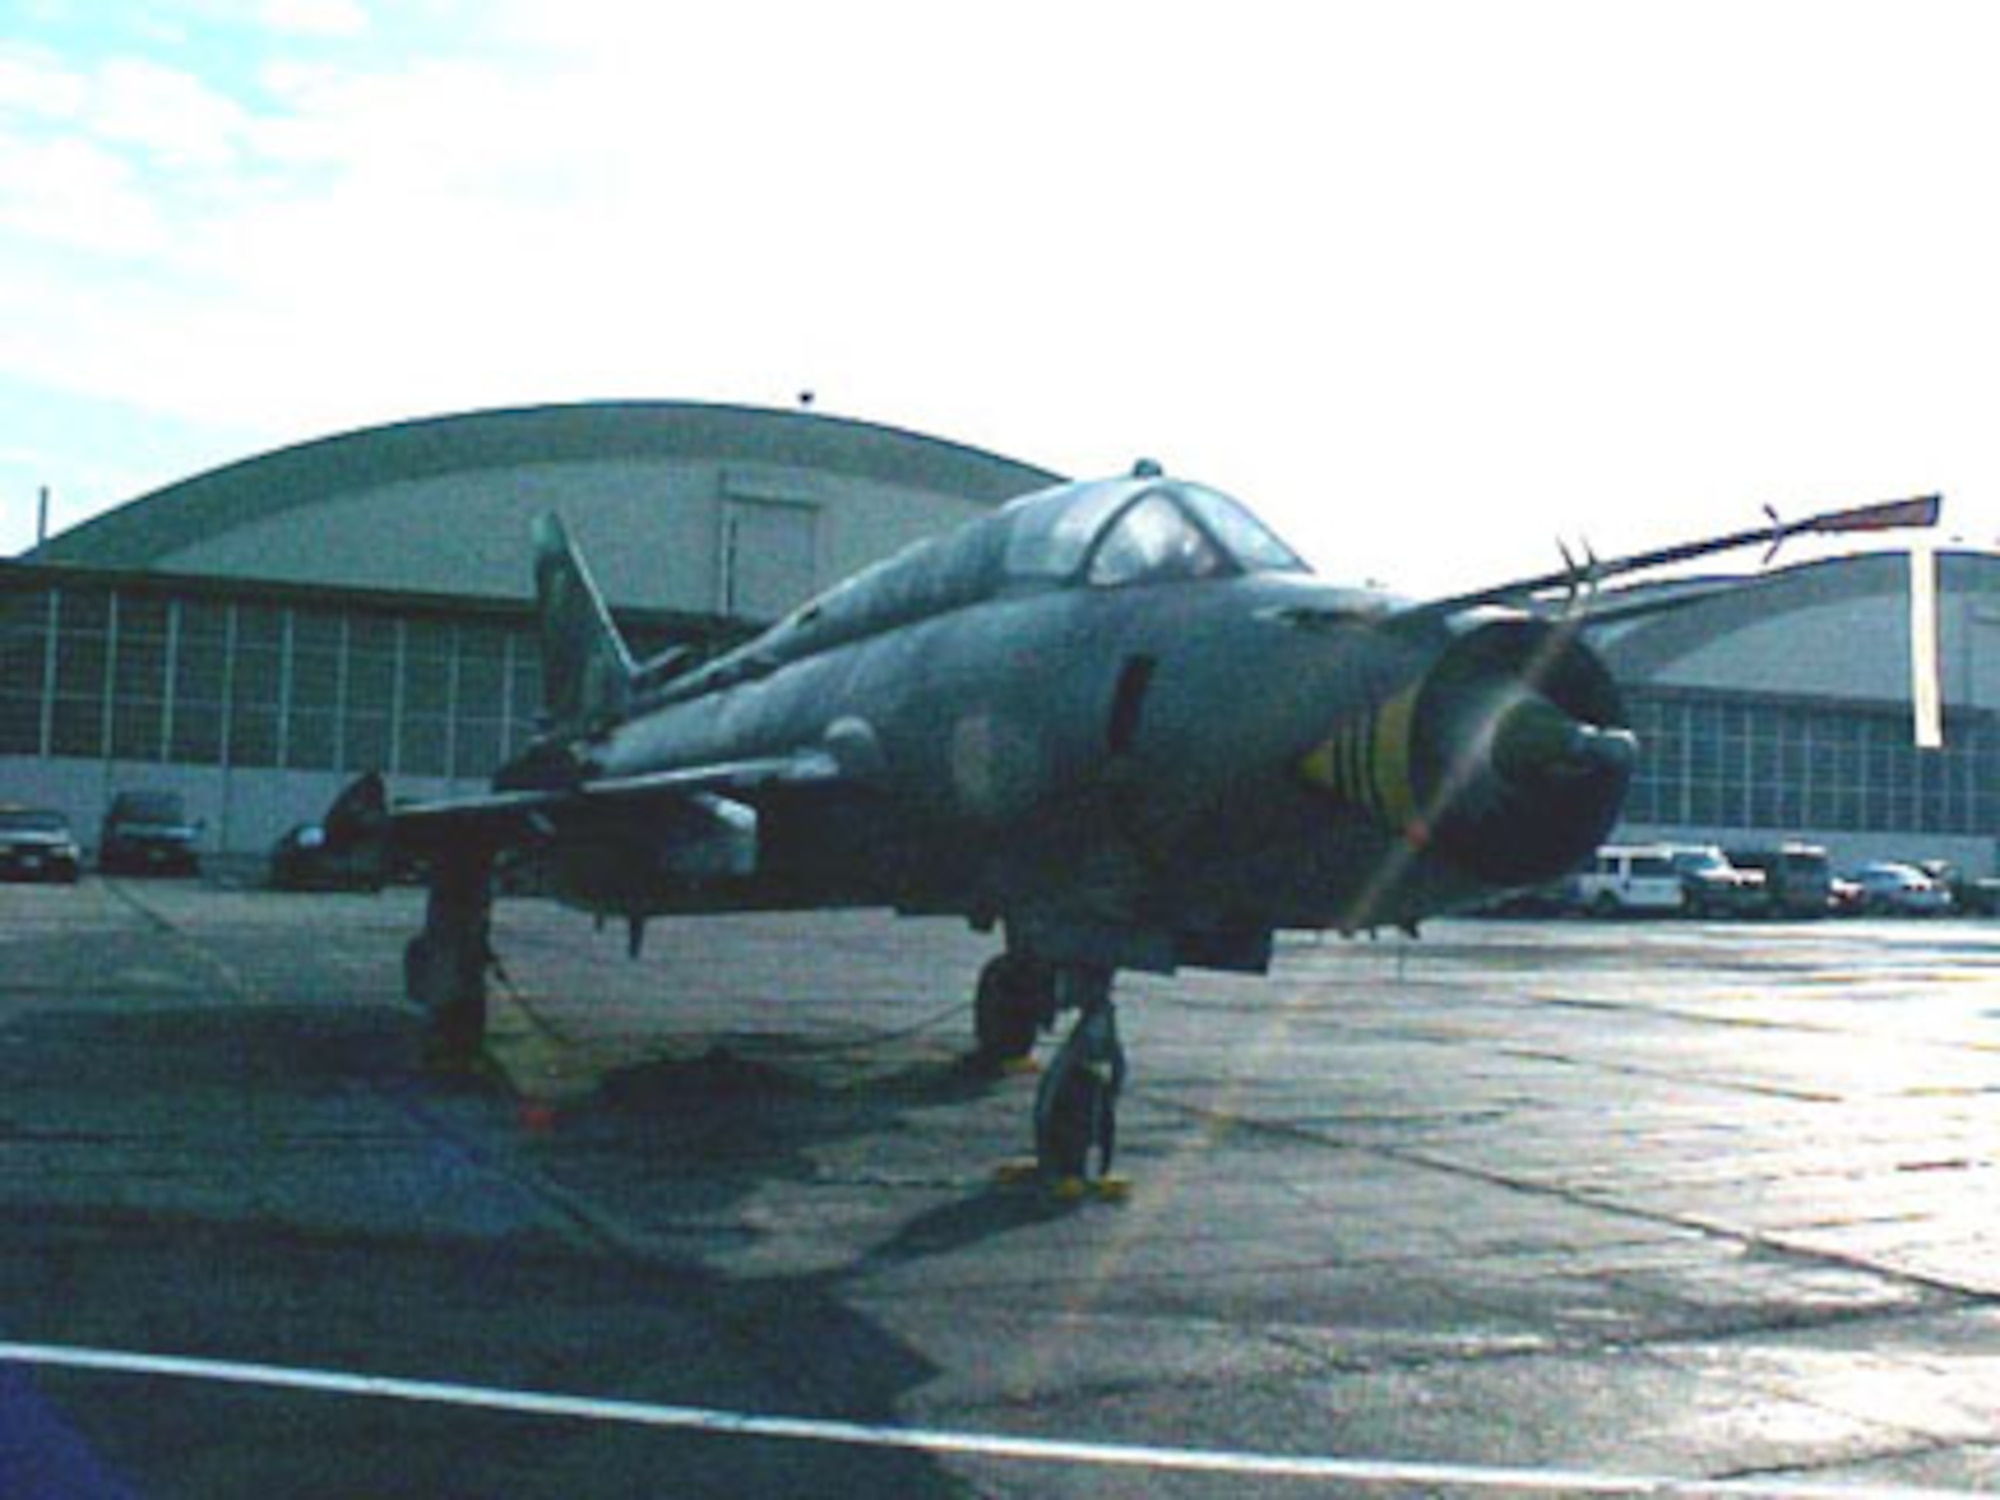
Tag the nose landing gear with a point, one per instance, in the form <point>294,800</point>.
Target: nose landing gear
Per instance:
<point>1076,1104</point>
<point>1076,1107</point>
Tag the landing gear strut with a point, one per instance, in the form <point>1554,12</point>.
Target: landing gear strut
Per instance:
<point>1076,1108</point>
<point>444,966</point>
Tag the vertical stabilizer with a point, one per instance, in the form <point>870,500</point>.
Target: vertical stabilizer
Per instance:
<point>586,670</point>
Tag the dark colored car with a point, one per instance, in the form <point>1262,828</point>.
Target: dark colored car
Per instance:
<point>1798,878</point>
<point>1713,887</point>
<point>1975,895</point>
<point>37,844</point>
<point>302,861</point>
<point>148,833</point>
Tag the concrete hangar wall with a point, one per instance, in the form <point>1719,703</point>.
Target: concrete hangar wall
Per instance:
<point>254,636</point>
<point>1781,710</point>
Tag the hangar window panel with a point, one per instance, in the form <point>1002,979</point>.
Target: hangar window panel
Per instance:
<point>24,641</point>
<point>77,727</point>
<point>372,635</point>
<point>80,665</point>
<point>476,748</point>
<point>203,620</point>
<point>260,625</point>
<point>1704,803</point>
<point>1902,809</point>
<point>85,611</point>
<point>253,735</point>
<point>197,734</point>
<point>1766,807</point>
<point>142,617</point>
<point>426,684</point>
<point>428,640</point>
<point>365,742</point>
<point>482,682</point>
<point>1986,810</point>
<point>256,677</point>
<point>1932,815</point>
<point>1643,803</point>
<point>20,723</point>
<point>317,630</point>
<point>527,695</point>
<point>421,747</point>
<point>371,683</point>
<point>1733,803</point>
<point>310,741</point>
<point>200,668</point>
<point>315,681</point>
<point>141,670</point>
<point>135,729</point>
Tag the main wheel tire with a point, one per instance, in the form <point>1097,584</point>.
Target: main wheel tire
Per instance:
<point>1008,1008</point>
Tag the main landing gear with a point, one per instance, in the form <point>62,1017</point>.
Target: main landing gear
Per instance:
<point>444,966</point>
<point>1076,1105</point>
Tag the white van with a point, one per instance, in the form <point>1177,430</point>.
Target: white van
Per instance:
<point>1626,879</point>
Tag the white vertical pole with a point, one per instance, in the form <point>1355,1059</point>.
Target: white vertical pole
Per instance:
<point>1926,692</point>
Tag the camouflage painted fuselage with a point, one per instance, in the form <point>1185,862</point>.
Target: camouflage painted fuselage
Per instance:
<point>1139,763</point>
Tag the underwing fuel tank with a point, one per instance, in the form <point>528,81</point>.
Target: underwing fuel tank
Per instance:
<point>1507,759</point>
<point>648,861</point>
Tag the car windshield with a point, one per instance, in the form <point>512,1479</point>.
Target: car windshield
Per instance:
<point>1696,861</point>
<point>29,821</point>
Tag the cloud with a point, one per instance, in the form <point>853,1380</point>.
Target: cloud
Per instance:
<point>315,18</point>
<point>164,113</point>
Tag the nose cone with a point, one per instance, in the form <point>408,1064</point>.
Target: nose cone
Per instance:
<point>1536,741</point>
<point>1505,760</point>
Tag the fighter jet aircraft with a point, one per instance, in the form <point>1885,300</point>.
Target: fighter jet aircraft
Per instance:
<point>1119,721</point>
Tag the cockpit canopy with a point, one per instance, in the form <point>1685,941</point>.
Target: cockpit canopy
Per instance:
<point>1109,534</point>
<point>1144,531</point>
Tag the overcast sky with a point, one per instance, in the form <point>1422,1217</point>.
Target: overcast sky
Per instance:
<point>1429,285</point>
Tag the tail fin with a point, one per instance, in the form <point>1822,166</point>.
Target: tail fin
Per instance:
<point>586,670</point>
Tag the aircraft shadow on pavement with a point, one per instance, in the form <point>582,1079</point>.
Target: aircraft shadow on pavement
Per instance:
<point>338,1208</point>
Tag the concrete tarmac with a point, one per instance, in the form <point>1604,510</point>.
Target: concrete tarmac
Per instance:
<point>1519,1208</point>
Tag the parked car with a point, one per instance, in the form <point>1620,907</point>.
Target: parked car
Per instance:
<point>1798,878</point>
<point>36,844</point>
<point>1975,895</point>
<point>148,833</point>
<point>1624,880</point>
<point>1845,897</point>
<point>1713,887</point>
<point>1892,889</point>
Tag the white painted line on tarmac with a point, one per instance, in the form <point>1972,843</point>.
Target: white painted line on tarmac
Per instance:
<point>1382,1473</point>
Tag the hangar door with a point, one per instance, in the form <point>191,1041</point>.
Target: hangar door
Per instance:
<point>768,553</point>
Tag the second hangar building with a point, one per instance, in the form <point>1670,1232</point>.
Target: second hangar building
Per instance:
<point>254,636</point>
